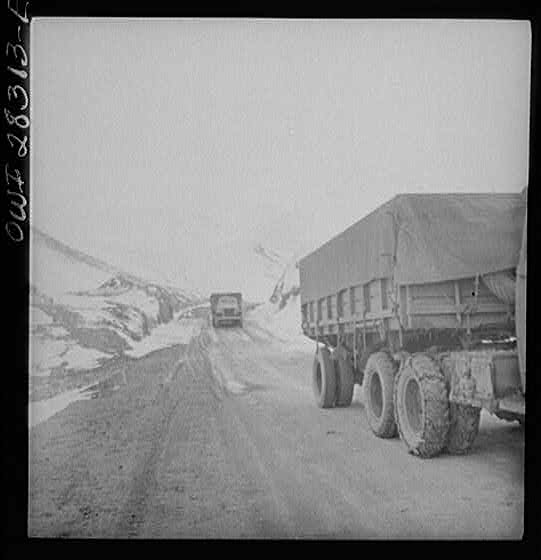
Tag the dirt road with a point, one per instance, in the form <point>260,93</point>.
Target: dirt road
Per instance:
<point>221,438</point>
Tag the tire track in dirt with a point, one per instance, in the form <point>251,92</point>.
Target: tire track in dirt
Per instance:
<point>150,443</point>
<point>253,492</point>
<point>203,488</point>
<point>176,487</point>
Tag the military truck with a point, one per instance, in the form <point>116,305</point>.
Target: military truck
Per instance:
<point>226,309</point>
<point>423,303</point>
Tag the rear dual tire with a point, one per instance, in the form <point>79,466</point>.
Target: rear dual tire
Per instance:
<point>332,379</point>
<point>324,378</point>
<point>379,377</point>
<point>422,406</point>
<point>464,423</point>
<point>426,421</point>
<point>344,380</point>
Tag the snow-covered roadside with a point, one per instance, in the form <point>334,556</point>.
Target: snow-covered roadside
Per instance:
<point>177,331</point>
<point>48,353</point>
<point>284,324</point>
<point>40,411</point>
<point>84,311</point>
<point>135,333</point>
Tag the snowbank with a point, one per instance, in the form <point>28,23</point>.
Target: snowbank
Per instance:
<point>40,411</point>
<point>47,353</point>
<point>284,324</point>
<point>131,312</point>
<point>281,314</point>
<point>175,332</point>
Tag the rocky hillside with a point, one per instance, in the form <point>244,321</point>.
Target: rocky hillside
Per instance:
<point>84,311</point>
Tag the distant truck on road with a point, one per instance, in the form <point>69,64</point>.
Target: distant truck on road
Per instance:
<point>423,302</point>
<point>226,309</point>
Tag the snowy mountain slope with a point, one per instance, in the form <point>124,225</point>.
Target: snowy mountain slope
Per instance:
<point>84,311</point>
<point>287,286</point>
<point>281,313</point>
<point>81,271</point>
<point>281,267</point>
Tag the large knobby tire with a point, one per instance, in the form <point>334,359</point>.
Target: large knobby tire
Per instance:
<point>422,406</point>
<point>324,379</point>
<point>378,382</point>
<point>344,380</point>
<point>463,427</point>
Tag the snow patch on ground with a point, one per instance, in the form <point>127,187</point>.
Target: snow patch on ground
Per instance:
<point>57,332</point>
<point>47,353</point>
<point>79,357</point>
<point>40,411</point>
<point>98,310</point>
<point>235,387</point>
<point>284,324</point>
<point>141,300</point>
<point>165,335</point>
<point>280,316</point>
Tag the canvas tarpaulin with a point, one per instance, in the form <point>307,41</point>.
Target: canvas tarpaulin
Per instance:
<point>447,237</point>
<point>427,237</point>
<point>520,308</point>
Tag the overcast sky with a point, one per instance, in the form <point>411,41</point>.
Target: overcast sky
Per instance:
<point>172,146</point>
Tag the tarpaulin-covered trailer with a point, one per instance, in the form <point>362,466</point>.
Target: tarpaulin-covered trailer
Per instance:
<point>423,272</point>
